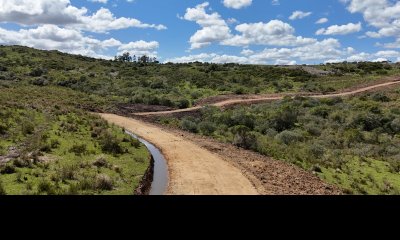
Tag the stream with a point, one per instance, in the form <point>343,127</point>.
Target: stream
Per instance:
<point>160,177</point>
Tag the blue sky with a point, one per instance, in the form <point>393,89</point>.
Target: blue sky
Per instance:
<point>243,31</point>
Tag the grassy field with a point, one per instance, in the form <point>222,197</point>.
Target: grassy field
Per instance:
<point>62,149</point>
<point>352,142</point>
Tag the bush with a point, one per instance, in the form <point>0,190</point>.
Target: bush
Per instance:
<point>67,172</point>
<point>22,162</point>
<point>380,97</point>
<point>37,72</point>
<point>395,125</point>
<point>3,129</point>
<point>103,182</point>
<point>2,189</point>
<point>184,103</point>
<point>244,138</point>
<point>135,143</point>
<point>110,144</point>
<point>368,122</point>
<point>8,169</point>
<point>207,128</point>
<point>189,125</point>
<point>289,137</point>
<point>240,91</point>
<point>101,162</point>
<point>45,186</point>
<point>28,127</point>
<point>317,150</point>
<point>285,120</point>
<point>79,149</point>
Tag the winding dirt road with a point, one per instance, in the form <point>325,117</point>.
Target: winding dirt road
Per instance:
<point>192,170</point>
<point>266,98</point>
<point>197,167</point>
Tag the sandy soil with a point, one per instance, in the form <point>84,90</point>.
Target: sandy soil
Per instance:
<point>251,99</point>
<point>193,169</point>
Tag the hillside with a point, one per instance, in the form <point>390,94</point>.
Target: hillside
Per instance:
<point>128,84</point>
<point>51,144</point>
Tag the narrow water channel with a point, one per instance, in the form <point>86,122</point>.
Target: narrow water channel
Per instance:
<point>160,177</point>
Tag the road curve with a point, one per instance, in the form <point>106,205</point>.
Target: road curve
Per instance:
<point>193,170</point>
<point>272,98</point>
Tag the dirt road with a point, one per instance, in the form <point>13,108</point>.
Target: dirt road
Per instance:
<point>266,98</point>
<point>193,170</point>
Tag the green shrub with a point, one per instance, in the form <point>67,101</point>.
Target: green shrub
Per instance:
<point>244,138</point>
<point>79,149</point>
<point>317,150</point>
<point>111,144</point>
<point>184,103</point>
<point>8,169</point>
<point>46,186</point>
<point>380,97</point>
<point>101,162</point>
<point>189,125</point>
<point>22,162</point>
<point>395,125</point>
<point>104,182</point>
<point>27,128</point>
<point>207,128</point>
<point>135,143</point>
<point>3,128</point>
<point>67,172</point>
<point>2,189</point>
<point>289,137</point>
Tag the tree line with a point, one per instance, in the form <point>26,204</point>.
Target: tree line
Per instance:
<point>126,57</point>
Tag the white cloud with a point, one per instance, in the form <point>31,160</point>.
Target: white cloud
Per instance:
<point>214,28</point>
<point>322,20</point>
<point>63,13</point>
<point>237,4</point>
<point>100,1</point>
<point>247,52</point>
<point>275,2</point>
<point>51,37</point>
<point>139,48</point>
<point>104,20</point>
<point>340,30</point>
<point>285,62</point>
<point>273,33</point>
<point>299,15</point>
<point>381,14</point>
<point>380,60</point>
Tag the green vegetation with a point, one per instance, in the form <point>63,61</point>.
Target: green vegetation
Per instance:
<point>60,149</point>
<point>57,147</point>
<point>351,142</point>
<point>172,85</point>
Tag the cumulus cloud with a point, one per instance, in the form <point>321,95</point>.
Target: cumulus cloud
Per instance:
<point>63,13</point>
<point>299,15</point>
<point>340,30</point>
<point>237,4</point>
<point>275,2</point>
<point>214,28</point>
<point>381,14</point>
<point>318,51</point>
<point>99,1</point>
<point>51,37</point>
<point>140,48</point>
<point>322,20</point>
<point>273,33</point>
